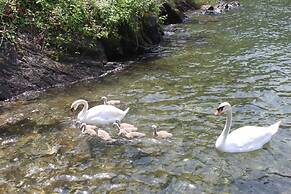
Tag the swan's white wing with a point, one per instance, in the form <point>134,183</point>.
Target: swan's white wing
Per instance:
<point>103,114</point>
<point>248,138</point>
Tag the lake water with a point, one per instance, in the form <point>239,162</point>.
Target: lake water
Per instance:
<point>241,57</point>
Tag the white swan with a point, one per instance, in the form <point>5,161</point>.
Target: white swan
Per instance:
<point>244,139</point>
<point>98,115</point>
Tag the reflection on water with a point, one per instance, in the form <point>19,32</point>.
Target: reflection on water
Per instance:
<point>242,57</point>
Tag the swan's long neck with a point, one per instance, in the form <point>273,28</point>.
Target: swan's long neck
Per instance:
<point>83,128</point>
<point>84,110</point>
<point>227,126</point>
<point>117,125</point>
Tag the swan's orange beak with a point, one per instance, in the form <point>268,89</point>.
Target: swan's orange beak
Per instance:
<point>217,112</point>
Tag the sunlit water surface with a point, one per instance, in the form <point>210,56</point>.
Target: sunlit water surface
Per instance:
<point>242,57</point>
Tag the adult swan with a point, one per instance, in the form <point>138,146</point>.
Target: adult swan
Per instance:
<point>98,115</point>
<point>244,139</point>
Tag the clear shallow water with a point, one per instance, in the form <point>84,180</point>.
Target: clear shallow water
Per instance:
<point>242,57</point>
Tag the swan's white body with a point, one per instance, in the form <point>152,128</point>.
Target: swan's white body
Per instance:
<point>98,115</point>
<point>244,139</point>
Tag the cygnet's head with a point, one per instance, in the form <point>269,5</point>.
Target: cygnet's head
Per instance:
<point>83,127</point>
<point>104,98</point>
<point>116,124</point>
<point>223,107</point>
<point>78,124</point>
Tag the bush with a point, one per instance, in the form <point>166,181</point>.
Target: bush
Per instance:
<point>62,21</point>
<point>59,23</point>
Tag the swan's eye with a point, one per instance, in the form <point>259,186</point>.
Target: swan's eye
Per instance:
<point>220,109</point>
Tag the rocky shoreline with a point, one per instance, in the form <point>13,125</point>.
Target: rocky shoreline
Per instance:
<point>26,66</point>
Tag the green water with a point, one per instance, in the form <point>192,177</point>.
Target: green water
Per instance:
<point>241,57</point>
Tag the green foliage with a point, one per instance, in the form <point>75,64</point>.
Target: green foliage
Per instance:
<point>203,2</point>
<point>2,6</point>
<point>115,14</point>
<point>65,21</point>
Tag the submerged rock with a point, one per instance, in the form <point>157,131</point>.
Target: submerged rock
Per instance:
<point>180,186</point>
<point>173,16</point>
<point>220,8</point>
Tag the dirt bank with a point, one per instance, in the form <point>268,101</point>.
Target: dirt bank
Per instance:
<point>27,65</point>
